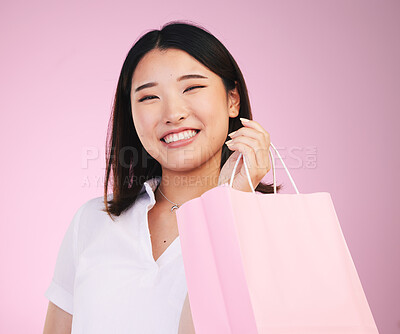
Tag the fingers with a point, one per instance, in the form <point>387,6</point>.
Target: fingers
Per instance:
<point>258,140</point>
<point>249,156</point>
<point>251,124</point>
<point>250,148</point>
<point>245,146</point>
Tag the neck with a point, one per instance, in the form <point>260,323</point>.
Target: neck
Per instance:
<point>180,187</point>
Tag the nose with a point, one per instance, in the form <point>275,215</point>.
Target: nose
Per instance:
<point>174,112</point>
<point>175,115</point>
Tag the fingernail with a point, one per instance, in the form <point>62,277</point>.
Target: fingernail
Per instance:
<point>230,135</point>
<point>244,120</point>
<point>228,142</point>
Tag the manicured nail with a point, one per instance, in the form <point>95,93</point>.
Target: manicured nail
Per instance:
<point>230,135</point>
<point>244,120</point>
<point>228,142</point>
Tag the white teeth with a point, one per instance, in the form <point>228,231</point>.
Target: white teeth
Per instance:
<point>179,136</point>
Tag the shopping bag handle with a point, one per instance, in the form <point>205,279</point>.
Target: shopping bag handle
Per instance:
<point>273,170</point>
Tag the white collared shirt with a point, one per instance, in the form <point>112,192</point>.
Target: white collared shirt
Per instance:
<point>106,276</point>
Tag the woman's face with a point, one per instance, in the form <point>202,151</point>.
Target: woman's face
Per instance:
<point>173,101</point>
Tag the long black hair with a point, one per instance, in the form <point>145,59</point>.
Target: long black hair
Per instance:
<point>126,158</point>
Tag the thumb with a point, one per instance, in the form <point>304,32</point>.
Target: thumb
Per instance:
<point>232,161</point>
<point>227,169</point>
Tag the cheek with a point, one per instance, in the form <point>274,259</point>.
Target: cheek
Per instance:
<point>217,113</point>
<point>210,108</point>
<point>142,125</point>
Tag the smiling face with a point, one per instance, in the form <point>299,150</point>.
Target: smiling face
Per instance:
<point>177,99</point>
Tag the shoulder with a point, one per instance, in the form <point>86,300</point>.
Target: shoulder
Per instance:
<point>91,206</point>
<point>92,217</point>
<point>89,220</point>
<point>91,213</point>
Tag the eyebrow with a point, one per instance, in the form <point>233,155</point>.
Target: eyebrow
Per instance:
<point>183,77</point>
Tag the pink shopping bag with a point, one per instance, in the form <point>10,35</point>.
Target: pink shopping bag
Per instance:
<point>269,263</point>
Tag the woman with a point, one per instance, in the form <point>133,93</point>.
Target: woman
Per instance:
<point>120,269</point>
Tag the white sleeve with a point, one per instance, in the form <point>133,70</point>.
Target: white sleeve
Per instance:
<point>61,289</point>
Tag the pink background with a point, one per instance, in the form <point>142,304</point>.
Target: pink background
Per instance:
<point>323,78</point>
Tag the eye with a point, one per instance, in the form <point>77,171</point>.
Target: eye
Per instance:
<point>146,97</point>
<point>190,88</point>
<point>150,96</point>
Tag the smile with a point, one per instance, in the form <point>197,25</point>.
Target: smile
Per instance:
<point>180,139</point>
<point>173,137</point>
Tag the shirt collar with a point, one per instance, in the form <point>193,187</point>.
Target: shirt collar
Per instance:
<point>150,187</point>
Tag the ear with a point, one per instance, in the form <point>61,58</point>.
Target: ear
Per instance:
<point>234,102</point>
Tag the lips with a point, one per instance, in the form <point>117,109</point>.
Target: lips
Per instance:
<point>180,143</point>
<point>176,131</point>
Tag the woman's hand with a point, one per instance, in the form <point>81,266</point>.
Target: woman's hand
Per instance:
<point>253,141</point>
